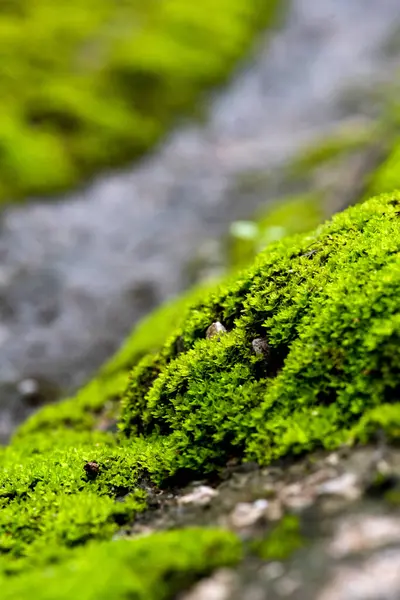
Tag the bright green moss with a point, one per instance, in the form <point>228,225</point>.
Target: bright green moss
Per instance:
<point>151,568</point>
<point>284,539</point>
<point>91,84</point>
<point>49,502</point>
<point>327,304</point>
<point>387,177</point>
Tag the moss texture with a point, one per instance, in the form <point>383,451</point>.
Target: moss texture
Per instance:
<point>309,359</point>
<point>99,85</point>
<point>151,568</point>
<point>327,307</point>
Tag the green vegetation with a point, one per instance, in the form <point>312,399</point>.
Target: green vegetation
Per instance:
<point>284,539</point>
<point>97,403</point>
<point>287,216</point>
<point>309,359</point>
<point>87,85</point>
<point>150,568</point>
<point>387,176</point>
<point>326,304</point>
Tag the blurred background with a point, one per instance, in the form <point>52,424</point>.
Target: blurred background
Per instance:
<point>146,147</point>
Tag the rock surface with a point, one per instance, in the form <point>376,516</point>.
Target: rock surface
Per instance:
<point>347,504</point>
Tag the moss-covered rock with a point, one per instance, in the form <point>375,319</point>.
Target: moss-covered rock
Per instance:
<point>326,304</point>
<point>96,405</point>
<point>91,84</point>
<point>307,357</point>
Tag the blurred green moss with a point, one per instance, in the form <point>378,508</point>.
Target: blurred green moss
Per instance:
<point>340,143</point>
<point>284,539</point>
<point>287,216</point>
<point>88,84</point>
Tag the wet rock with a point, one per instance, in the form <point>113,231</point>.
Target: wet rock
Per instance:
<point>36,391</point>
<point>261,347</point>
<point>363,532</point>
<point>273,570</point>
<point>144,295</point>
<point>377,578</point>
<point>217,587</point>
<point>287,586</point>
<point>246,515</point>
<point>200,496</point>
<point>346,486</point>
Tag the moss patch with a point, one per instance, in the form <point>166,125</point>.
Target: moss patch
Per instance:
<point>282,541</point>
<point>309,359</point>
<point>151,568</point>
<point>327,306</point>
<point>98,85</point>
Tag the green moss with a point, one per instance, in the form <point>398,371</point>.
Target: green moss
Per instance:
<point>48,501</point>
<point>282,541</point>
<point>392,497</point>
<point>326,306</point>
<point>387,175</point>
<point>151,568</point>
<point>99,85</point>
<point>98,402</point>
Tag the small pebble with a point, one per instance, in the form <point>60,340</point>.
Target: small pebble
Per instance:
<point>200,496</point>
<point>91,468</point>
<point>260,347</point>
<point>28,387</point>
<point>273,570</point>
<point>286,586</point>
<point>345,486</point>
<point>364,532</point>
<point>247,514</point>
<point>333,459</point>
<point>216,329</point>
<point>377,578</point>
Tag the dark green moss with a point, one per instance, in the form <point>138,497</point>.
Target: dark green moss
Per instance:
<point>100,84</point>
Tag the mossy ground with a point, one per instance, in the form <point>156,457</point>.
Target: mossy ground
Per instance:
<point>326,307</point>
<point>100,85</point>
